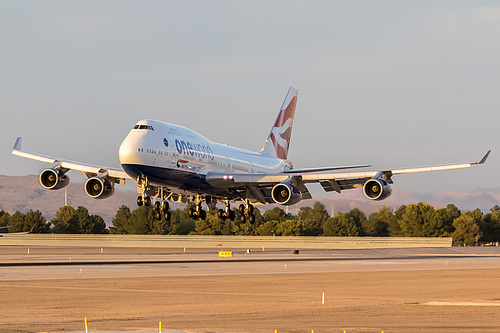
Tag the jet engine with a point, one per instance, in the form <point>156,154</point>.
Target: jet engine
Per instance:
<point>377,189</point>
<point>53,179</point>
<point>99,188</point>
<point>285,194</point>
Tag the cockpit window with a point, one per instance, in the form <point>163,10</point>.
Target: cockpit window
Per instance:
<point>144,127</point>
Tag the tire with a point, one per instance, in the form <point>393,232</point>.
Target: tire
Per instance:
<point>241,208</point>
<point>147,201</point>
<point>165,206</point>
<point>168,216</point>
<point>203,214</point>
<point>191,212</point>
<point>243,220</point>
<point>158,216</point>
<point>251,219</point>
<point>157,206</point>
<point>139,201</point>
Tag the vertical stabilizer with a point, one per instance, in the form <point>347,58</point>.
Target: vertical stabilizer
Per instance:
<point>279,139</point>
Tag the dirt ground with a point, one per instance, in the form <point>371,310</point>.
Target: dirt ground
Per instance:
<point>396,301</point>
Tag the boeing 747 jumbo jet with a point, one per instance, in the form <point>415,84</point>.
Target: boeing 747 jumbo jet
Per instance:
<point>171,162</point>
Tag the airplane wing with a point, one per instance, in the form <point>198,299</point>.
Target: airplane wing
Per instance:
<point>259,186</point>
<point>117,175</point>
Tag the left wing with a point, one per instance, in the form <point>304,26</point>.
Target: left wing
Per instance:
<point>266,188</point>
<point>115,175</point>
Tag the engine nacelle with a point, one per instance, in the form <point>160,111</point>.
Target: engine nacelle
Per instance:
<point>99,188</point>
<point>377,189</point>
<point>53,179</point>
<point>285,194</point>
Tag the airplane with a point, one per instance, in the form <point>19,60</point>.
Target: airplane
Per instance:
<point>15,233</point>
<point>173,163</point>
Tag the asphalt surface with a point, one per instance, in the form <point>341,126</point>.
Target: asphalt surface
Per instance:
<point>130,290</point>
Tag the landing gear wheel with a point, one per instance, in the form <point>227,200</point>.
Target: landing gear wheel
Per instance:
<point>165,206</point>
<point>158,215</point>
<point>147,201</point>
<point>221,214</point>
<point>243,219</point>
<point>203,214</point>
<point>157,206</point>
<point>139,201</point>
<point>241,208</point>
<point>191,212</point>
<point>168,216</point>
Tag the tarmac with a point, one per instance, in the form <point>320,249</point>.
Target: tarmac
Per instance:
<point>52,289</point>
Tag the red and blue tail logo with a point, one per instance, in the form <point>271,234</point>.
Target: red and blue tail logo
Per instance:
<point>279,139</point>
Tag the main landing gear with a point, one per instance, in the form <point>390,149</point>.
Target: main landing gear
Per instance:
<point>226,213</point>
<point>198,212</point>
<point>162,208</point>
<point>246,211</point>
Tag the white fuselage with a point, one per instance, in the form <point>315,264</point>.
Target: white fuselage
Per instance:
<point>177,158</point>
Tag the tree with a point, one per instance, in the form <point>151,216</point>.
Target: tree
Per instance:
<point>289,228</point>
<point>340,225</point>
<point>312,219</point>
<point>142,220</point>
<point>490,226</point>
<point>64,221</point>
<point>185,227</point>
<point>121,221</point>
<point>35,222</point>
<point>377,223</point>
<point>393,227</point>
<point>420,220</point>
<point>447,216</point>
<point>4,218</point>
<point>467,229</point>
<point>77,221</point>
<point>276,214</point>
<point>84,223</point>
<point>16,222</point>
<point>32,221</point>
<point>359,218</point>
<point>268,228</point>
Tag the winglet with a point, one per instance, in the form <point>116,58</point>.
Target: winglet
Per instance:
<point>485,157</point>
<point>17,145</point>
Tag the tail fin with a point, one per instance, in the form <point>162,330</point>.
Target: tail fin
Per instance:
<point>279,139</point>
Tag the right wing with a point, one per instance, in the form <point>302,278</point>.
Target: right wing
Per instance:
<point>116,175</point>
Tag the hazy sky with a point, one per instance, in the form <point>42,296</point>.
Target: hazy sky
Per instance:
<point>388,83</point>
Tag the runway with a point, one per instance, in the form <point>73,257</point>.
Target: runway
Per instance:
<point>394,290</point>
<point>75,265</point>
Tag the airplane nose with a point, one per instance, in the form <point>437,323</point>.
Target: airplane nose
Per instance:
<point>127,152</point>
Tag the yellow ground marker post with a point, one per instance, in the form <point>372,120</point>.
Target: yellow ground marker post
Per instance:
<point>86,327</point>
<point>225,254</point>
<point>160,327</point>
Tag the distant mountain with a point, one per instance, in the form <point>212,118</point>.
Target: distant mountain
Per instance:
<point>25,192</point>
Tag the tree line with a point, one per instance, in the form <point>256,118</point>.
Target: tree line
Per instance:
<point>413,220</point>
